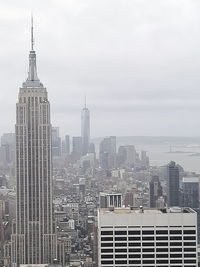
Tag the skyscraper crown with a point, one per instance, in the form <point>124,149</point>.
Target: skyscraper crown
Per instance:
<point>32,80</point>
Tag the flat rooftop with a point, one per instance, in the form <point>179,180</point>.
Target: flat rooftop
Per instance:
<point>152,211</point>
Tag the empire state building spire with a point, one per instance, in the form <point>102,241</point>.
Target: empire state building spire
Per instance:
<point>32,80</point>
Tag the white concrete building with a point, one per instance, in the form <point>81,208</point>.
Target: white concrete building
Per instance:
<point>138,237</point>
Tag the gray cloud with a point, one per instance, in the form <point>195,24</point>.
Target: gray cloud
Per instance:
<point>138,61</point>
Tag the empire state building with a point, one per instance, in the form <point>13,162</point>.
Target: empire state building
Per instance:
<point>33,238</point>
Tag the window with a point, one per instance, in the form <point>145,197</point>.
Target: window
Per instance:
<point>120,262</point>
<point>108,250</point>
<point>175,244</point>
<point>148,244</point>
<point>148,250</point>
<point>121,238</point>
<point>107,262</point>
<point>106,232</point>
<point>147,232</point>
<point>189,232</point>
<point>134,250</point>
<point>175,249</point>
<point>164,244</point>
<point>175,232</point>
<point>121,232</point>
<point>121,250</point>
<point>134,232</point>
<point>161,232</point>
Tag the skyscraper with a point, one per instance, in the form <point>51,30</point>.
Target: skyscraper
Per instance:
<point>56,142</point>
<point>190,191</point>
<point>85,129</point>
<point>66,145</point>
<point>172,184</point>
<point>33,239</point>
<point>77,146</point>
<point>107,153</point>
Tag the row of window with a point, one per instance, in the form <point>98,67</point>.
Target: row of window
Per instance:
<point>150,232</point>
<point>135,238</point>
<point>110,256</point>
<point>124,250</point>
<point>148,244</point>
<point>145,261</point>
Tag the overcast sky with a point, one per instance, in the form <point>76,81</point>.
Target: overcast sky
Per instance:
<point>138,61</point>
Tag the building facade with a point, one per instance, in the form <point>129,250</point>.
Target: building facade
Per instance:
<point>147,237</point>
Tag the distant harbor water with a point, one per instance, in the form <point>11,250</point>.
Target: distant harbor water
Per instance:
<point>160,155</point>
<point>161,150</point>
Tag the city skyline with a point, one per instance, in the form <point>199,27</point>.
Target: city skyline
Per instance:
<point>119,187</point>
<point>148,88</point>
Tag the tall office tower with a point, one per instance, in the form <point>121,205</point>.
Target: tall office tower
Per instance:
<point>33,238</point>
<point>107,153</point>
<point>155,191</point>
<point>172,184</point>
<point>66,148</point>
<point>190,192</point>
<point>77,146</point>
<point>85,129</point>
<point>56,142</point>
<point>147,237</point>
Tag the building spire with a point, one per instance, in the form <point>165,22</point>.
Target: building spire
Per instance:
<point>32,40</point>
<point>32,80</point>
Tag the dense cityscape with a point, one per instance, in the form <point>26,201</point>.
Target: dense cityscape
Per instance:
<point>75,201</point>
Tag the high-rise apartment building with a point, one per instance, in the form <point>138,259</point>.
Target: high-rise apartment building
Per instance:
<point>173,195</point>
<point>85,129</point>
<point>33,239</point>
<point>147,237</point>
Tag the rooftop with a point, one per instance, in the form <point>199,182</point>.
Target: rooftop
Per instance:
<point>137,210</point>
